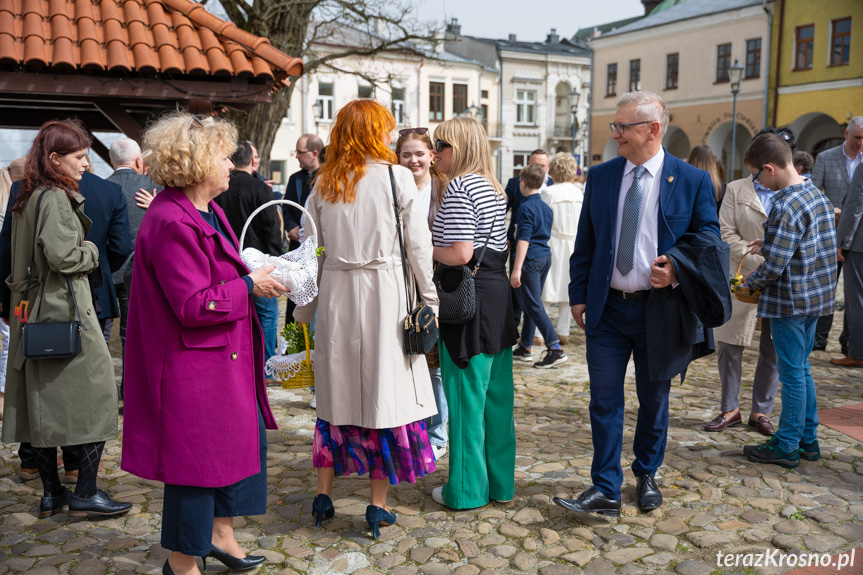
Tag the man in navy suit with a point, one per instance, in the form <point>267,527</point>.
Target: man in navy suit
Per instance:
<point>636,208</point>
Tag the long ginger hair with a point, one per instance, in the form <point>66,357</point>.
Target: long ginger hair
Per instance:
<point>359,133</point>
<point>60,137</point>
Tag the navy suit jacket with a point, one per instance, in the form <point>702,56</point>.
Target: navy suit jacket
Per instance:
<point>686,205</point>
<point>106,208</point>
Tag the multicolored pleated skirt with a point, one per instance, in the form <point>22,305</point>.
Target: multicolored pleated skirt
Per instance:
<point>399,453</point>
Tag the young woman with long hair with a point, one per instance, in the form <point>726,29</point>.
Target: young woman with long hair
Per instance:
<point>414,150</point>
<point>372,398</point>
<point>476,358</point>
<point>57,402</point>
<point>701,157</point>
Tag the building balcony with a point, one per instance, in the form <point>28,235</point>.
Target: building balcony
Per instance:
<point>563,132</point>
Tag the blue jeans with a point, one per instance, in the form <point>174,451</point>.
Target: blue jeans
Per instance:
<point>436,424</point>
<point>533,274</point>
<point>268,316</point>
<point>793,337</point>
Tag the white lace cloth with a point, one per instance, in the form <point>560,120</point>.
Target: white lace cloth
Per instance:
<point>284,367</point>
<point>296,270</point>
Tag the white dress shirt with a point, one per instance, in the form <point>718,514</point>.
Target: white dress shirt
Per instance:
<point>851,164</point>
<point>647,242</point>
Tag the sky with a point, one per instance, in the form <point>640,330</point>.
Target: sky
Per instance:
<point>529,20</point>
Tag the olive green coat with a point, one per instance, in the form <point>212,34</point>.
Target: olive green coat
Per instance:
<point>60,401</point>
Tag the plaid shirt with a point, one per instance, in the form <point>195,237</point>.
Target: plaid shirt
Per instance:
<point>798,274</point>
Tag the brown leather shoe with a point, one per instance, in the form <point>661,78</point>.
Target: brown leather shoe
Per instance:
<point>720,422</point>
<point>762,425</point>
<point>847,362</point>
<point>28,473</point>
<point>70,477</point>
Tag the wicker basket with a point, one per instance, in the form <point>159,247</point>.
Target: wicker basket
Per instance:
<point>745,294</point>
<point>294,371</point>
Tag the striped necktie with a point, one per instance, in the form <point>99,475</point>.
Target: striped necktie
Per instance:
<point>629,224</point>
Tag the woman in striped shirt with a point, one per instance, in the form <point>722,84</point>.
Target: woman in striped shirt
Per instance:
<point>476,358</point>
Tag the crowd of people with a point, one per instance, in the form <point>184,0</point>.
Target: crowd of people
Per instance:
<point>639,255</point>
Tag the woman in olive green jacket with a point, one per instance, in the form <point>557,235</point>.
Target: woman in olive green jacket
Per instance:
<point>56,402</point>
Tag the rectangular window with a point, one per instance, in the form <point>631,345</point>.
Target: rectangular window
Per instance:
<point>840,52</point>
<point>634,75</point>
<point>459,99</point>
<point>753,58</point>
<point>525,107</point>
<point>611,80</point>
<point>399,105</point>
<point>325,97</point>
<point>436,90</point>
<point>365,92</point>
<point>672,63</point>
<point>519,160</point>
<point>723,62</point>
<point>804,41</point>
<point>484,93</point>
<point>277,171</point>
<point>484,112</point>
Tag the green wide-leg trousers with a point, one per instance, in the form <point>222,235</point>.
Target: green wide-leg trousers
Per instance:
<point>481,429</point>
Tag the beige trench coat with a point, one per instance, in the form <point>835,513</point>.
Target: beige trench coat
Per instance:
<point>740,219</point>
<point>362,376</point>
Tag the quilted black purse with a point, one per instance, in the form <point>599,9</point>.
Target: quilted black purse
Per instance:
<point>456,289</point>
<point>50,339</point>
<point>420,329</point>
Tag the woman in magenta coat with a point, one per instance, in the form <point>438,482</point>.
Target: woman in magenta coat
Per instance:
<point>195,402</point>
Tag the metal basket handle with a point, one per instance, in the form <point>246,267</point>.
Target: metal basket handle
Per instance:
<point>310,222</point>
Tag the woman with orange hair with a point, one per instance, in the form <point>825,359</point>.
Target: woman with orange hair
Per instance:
<point>372,398</point>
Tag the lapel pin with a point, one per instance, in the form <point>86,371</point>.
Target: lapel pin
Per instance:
<point>670,179</point>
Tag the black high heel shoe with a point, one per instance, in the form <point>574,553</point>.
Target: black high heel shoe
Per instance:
<point>166,568</point>
<point>375,515</point>
<point>322,508</point>
<point>231,562</point>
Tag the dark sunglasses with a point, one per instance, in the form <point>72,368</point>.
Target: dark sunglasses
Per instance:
<point>439,145</point>
<point>418,131</point>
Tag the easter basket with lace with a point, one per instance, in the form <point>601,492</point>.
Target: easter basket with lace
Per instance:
<point>298,271</point>
<point>743,293</point>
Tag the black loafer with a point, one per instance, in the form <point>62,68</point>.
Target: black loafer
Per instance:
<point>100,504</point>
<point>49,506</point>
<point>591,501</point>
<point>649,496</point>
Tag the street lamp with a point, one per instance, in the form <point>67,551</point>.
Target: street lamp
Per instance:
<point>473,110</point>
<point>734,73</point>
<point>318,108</point>
<point>573,106</point>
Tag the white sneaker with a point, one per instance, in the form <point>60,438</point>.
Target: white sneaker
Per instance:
<point>314,402</point>
<point>439,451</point>
<point>437,495</point>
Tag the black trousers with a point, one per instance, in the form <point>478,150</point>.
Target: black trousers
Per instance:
<point>188,511</point>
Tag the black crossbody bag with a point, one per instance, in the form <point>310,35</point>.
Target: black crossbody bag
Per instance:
<point>420,330</point>
<point>456,289</point>
<point>50,339</point>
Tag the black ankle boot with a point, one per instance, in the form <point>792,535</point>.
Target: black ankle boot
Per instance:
<point>322,508</point>
<point>231,562</point>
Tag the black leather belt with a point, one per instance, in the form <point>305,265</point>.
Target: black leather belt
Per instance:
<point>631,295</point>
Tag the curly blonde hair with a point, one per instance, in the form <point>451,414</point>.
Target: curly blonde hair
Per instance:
<point>562,168</point>
<point>182,150</point>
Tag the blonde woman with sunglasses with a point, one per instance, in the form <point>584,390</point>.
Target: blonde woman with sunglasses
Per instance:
<point>476,358</point>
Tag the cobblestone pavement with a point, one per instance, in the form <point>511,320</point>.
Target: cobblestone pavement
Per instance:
<point>715,500</point>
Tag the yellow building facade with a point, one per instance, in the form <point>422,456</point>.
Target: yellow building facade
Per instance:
<point>816,82</point>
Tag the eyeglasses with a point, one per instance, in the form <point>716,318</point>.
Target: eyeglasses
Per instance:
<point>298,152</point>
<point>621,128</point>
<point>195,121</point>
<point>418,131</point>
<point>439,145</point>
<point>755,177</point>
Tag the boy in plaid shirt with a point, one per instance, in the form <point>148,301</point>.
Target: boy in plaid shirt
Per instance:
<point>797,279</point>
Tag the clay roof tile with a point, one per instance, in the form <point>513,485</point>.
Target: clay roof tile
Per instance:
<point>63,53</point>
<point>166,35</point>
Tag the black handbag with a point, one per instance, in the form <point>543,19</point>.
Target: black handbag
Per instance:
<point>420,329</point>
<point>456,290</point>
<point>50,339</point>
